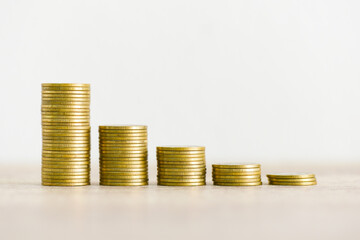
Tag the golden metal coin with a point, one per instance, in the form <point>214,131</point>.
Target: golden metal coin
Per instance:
<point>123,142</point>
<point>227,180</point>
<point>65,180</point>
<point>71,160</point>
<point>236,170</point>
<point>291,175</point>
<point>238,184</point>
<point>66,92</point>
<point>124,184</point>
<point>295,180</point>
<point>66,184</point>
<point>65,103</point>
<point>62,87</point>
<point>181,177</point>
<point>171,153</point>
<point>109,176</point>
<point>105,158</point>
<point>236,177</point>
<point>187,184</point>
<point>180,148</point>
<point>115,173</point>
<point>180,173</point>
<point>124,152</point>
<point>66,171</point>
<point>125,127</point>
<point>123,135</point>
<point>182,163</point>
<point>181,180</point>
<point>123,147</point>
<point>132,169</point>
<point>123,180</point>
<point>293,183</point>
<point>124,155</point>
<point>236,165</point>
<point>50,176</point>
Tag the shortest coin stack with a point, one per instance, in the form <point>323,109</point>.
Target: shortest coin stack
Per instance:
<point>181,165</point>
<point>237,174</point>
<point>292,179</point>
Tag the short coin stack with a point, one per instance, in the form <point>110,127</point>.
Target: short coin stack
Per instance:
<point>123,155</point>
<point>65,115</point>
<point>237,174</point>
<point>289,179</point>
<point>181,165</point>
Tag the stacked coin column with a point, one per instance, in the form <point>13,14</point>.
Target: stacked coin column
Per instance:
<point>65,113</point>
<point>123,155</point>
<point>237,174</point>
<point>181,165</point>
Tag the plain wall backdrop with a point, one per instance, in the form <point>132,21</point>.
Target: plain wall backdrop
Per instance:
<point>265,80</point>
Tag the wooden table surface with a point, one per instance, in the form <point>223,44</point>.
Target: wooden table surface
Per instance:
<point>330,210</point>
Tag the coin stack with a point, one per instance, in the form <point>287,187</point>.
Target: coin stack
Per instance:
<point>302,179</point>
<point>65,113</point>
<point>236,174</point>
<point>123,155</point>
<point>181,165</point>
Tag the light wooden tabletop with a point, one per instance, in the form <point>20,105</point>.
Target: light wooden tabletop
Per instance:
<point>330,210</point>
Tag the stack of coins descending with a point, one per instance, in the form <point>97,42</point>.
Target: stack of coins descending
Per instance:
<point>236,174</point>
<point>123,155</point>
<point>292,179</point>
<point>65,113</point>
<point>181,165</point>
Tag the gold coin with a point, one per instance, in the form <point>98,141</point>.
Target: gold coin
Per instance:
<point>66,131</point>
<point>123,155</point>
<point>236,165</point>
<point>295,180</point>
<point>108,176</point>
<point>123,146</point>
<point>65,166</point>
<point>74,136</point>
<point>54,175</point>
<point>65,103</point>
<point>66,157</point>
<point>66,171</point>
<point>236,170</point>
<point>124,152</point>
<point>66,163</point>
<point>124,142</point>
<point>171,153</point>
<point>67,114</point>
<point>291,175</point>
<point>180,148</point>
<point>105,158</point>
<point>44,175</point>
<point>123,180</point>
<point>75,160</point>
<point>124,184</point>
<point>66,122</point>
<point>68,128</point>
<point>66,93</point>
<point>59,142</point>
<point>178,173</point>
<point>231,177</point>
<point>293,183</point>
<point>132,169</point>
<point>115,173</point>
<point>227,180</point>
<point>181,180</point>
<point>66,138</point>
<point>116,166</point>
<point>66,184</point>
<point>65,97</point>
<point>65,180</point>
<point>123,127</point>
<point>182,163</point>
<point>123,135</point>
<point>182,168</point>
<point>65,149</point>
<point>144,163</point>
<point>238,184</point>
<point>61,87</point>
<point>187,184</point>
<point>67,117</point>
<point>68,111</point>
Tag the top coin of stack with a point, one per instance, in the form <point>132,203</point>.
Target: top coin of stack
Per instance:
<point>181,165</point>
<point>237,174</point>
<point>292,179</point>
<point>123,155</point>
<point>65,114</point>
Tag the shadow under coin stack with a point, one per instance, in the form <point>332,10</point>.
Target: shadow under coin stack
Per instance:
<point>236,174</point>
<point>65,113</point>
<point>302,179</point>
<point>123,155</point>
<point>181,166</point>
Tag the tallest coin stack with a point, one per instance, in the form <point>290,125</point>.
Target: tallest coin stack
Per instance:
<point>65,113</point>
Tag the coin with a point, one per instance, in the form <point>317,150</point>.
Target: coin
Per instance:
<point>181,153</point>
<point>109,176</point>
<point>64,166</point>
<point>61,184</point>
<point>127,127</point>
<point>180,148</point>
<point>181,177</point>
<point>238,184</point>
<point>124,155</point>
<point>67,171</point>
<point>128,141</point>
<point>231,177</point>
<point>184,184</point>
<point>124,169</point>
<point>227,180</point>
<point>295,180</point>
<point>183,163</point>
<point>123,180</point>
<point>291,175</point>
<point>236,170</point>
<point>118,173</point>
<point>122,148</point>
<point>237,165</point>
<point>123,184</point>
<point>62,87</point>
<point>121,135</point>
<point>293,183</point>
<point>71,160</point>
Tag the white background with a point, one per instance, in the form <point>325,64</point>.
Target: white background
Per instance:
<point>263,80</point>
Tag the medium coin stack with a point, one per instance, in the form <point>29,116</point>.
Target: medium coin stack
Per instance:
<point>302,179</point>
<point>123,155</point>
<point>65,113</point>
<point>181,165</point>
<point>236,174</point>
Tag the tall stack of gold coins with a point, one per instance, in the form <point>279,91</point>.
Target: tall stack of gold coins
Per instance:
<point>65,113</point>
<point>123,155</point>
<point>236,174</point>
<point>181,165</point>
<point>292,179</point>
